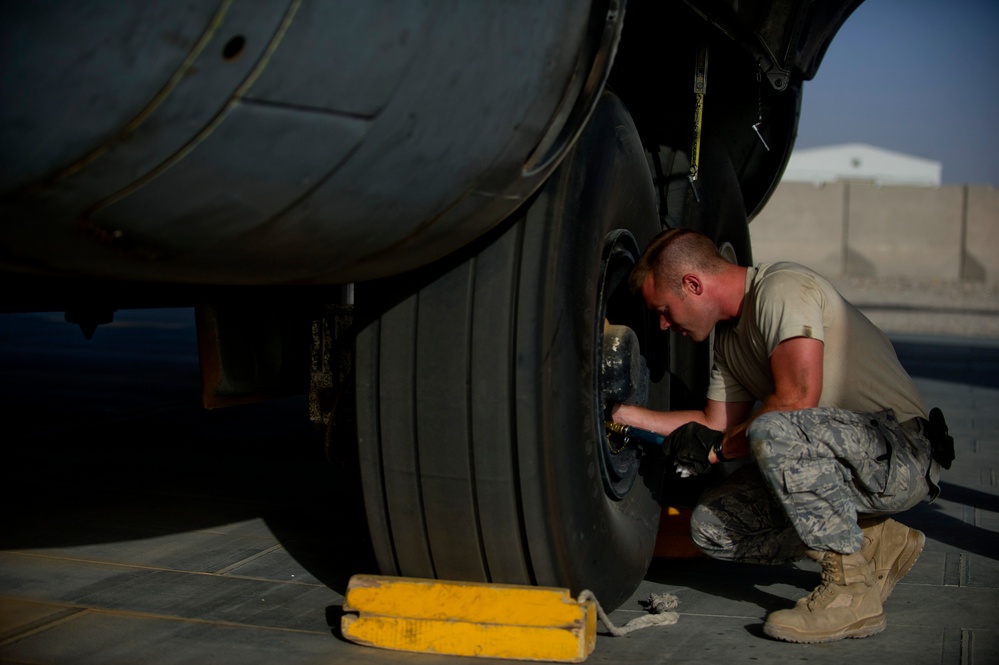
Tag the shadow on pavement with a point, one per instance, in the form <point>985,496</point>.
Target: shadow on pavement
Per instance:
<point>106,442</point>
<point>966,363</point>
<point>931,519</point>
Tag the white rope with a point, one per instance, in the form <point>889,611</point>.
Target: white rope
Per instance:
<point>660,604</point>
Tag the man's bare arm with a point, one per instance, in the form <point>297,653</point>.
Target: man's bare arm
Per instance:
<point>796,366</point>
<point>716,415</point>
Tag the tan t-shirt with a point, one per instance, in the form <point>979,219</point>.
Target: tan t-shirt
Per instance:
<point>860,371</point>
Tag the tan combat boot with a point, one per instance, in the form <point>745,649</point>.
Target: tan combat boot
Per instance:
<point>846,604</point>
<point>892,549</point>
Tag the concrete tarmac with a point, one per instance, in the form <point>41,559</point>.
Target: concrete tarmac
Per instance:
<point>139,528</point>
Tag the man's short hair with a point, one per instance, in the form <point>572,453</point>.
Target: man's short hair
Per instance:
<point>673,254</point>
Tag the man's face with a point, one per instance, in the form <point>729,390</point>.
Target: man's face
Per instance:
<point>682,312</point>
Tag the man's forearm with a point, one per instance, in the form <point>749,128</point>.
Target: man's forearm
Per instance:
<point>736,442</point>
<point>662,422</point>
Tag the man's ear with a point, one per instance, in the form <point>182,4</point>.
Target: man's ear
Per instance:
<point>692,283</point>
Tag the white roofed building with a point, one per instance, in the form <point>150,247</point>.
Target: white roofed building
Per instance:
<point>861,162</point>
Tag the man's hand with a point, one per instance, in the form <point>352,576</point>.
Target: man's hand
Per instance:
<point>691,444</point>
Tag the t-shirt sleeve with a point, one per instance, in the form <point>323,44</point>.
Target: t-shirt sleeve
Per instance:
<point>723,386</point>
<point>789,305</point>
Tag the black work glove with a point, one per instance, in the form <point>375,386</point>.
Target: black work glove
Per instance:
<point>690,444</point>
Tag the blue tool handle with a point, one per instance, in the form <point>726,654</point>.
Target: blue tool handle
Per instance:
<point>643,435</point>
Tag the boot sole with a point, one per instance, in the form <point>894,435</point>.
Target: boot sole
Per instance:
<point>914,543</point>
<point>863,628</point>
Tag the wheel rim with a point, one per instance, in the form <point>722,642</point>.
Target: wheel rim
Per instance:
<point>619,464</point>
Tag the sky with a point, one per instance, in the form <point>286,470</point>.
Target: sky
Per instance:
<point>914,76</point>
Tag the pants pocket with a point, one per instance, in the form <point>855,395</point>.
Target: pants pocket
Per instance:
<point>813,476</point>
<point>872,470</point>
<point>821,506</point>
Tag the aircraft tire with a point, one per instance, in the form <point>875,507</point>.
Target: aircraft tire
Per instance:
<point>479,401</point>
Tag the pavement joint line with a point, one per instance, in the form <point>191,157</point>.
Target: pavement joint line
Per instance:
<point>45,623</point>
<point>87,610</point>
<point>950,586</point>
<point>156,569</point>
<point>952,570</point>
<point>225,570</point>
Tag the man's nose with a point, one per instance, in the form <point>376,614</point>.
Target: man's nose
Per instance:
<point>664,323</point>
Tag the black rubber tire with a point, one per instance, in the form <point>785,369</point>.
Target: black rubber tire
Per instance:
<point>480,420</point>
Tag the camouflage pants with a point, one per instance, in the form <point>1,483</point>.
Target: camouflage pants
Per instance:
<point>814,471</point>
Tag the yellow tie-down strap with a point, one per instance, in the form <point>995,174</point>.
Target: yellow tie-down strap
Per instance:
<point>469,619</point>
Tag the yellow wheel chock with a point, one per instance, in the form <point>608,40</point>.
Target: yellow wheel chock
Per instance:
<point>469,619</point>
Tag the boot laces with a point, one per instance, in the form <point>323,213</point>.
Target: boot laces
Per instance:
<point>825,586</point>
